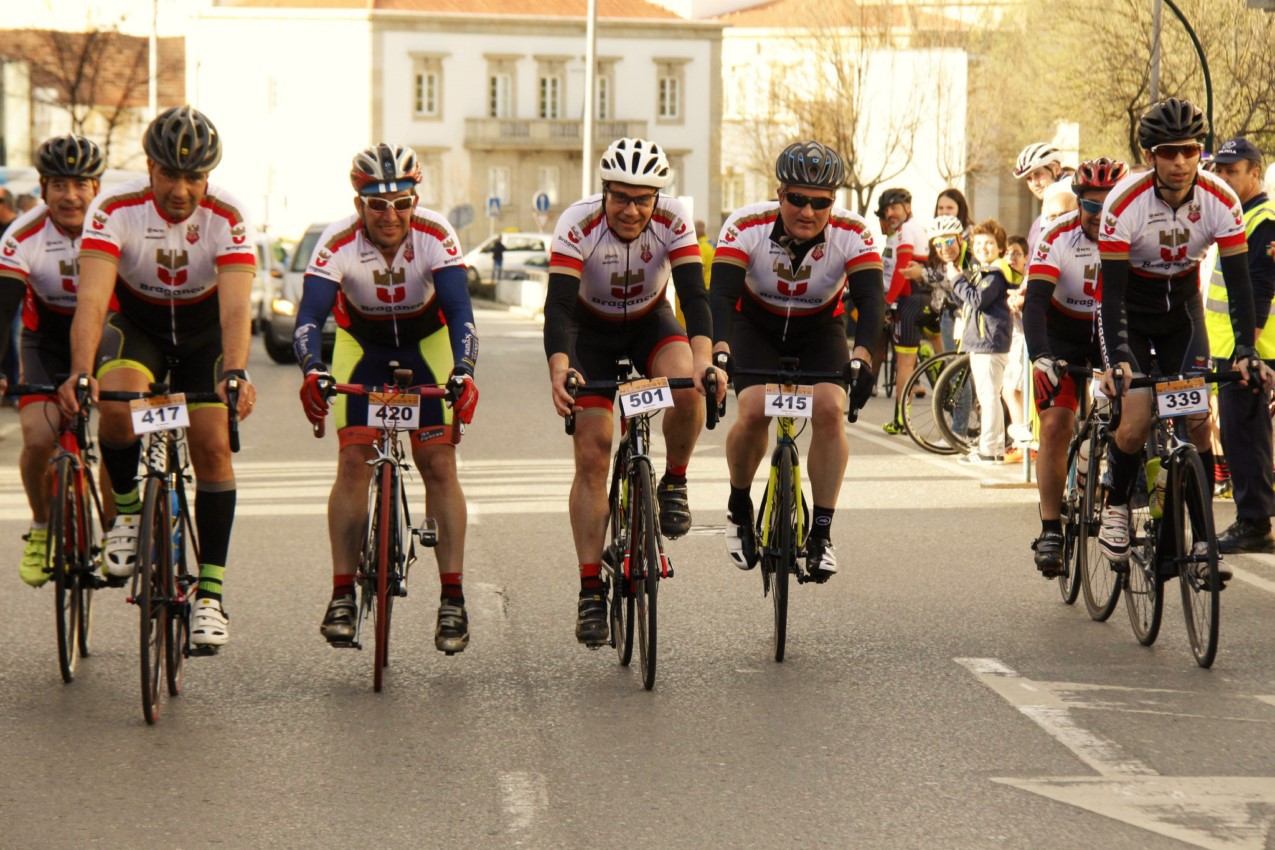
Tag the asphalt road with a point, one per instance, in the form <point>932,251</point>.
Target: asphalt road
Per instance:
<point>936,693</point>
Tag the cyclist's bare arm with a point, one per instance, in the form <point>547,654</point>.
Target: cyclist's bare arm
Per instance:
<point>559,368</point>
<point>234,292</point>
<point>93,296</point>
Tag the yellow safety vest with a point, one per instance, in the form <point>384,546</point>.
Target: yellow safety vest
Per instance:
<point>1217,317</point>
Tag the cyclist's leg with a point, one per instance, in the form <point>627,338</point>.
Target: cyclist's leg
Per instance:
<point>40,421</point>
<point>665,352</point>
<point>829,448</point>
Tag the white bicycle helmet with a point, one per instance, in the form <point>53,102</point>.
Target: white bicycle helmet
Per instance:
<point>944,225</point>
<point>385,168</point>
<point>637,162</point>
<point>1036,156</point>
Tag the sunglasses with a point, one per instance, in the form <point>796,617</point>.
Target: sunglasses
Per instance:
<point>801,201</point>
<point>642,202</point>
<point>1091,207</point>
<point>1172,152</point>
<point>945,242</point>
<point>402,204</point>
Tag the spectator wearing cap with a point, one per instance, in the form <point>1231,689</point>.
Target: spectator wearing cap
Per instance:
<point>1245,426</point>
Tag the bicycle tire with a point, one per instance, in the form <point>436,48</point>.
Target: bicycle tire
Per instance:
<point>152,555</point>
<point>91,553</point>
<point>644,565</point>
<point>1193,530</point>
<point>62,553</point>
<point>1069,581</point>
<point>1101,584</point>
<point>621,594</point>
<point>177,625</point>
<point>1143,584</point>
<point>784,557</point>
<point>889,367</point>
<point>918,414</point>
<point>955,380</point>
<point>381,546</point>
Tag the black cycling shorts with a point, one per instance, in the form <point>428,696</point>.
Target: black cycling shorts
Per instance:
<point>914,314</point>
<point>42,360</point>
<point>594,349</point>
<point>822,348</point>
<point>1179,338</point>
<point>192,365</point>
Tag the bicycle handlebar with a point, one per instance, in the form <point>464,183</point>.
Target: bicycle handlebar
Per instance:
<point>1152,380</point>
<point>399,384</point>
<point>159,389</point>
<point>712,413</point>
<point>791,376</point>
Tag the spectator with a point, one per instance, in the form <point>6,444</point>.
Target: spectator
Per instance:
<point>1040,165</point>
<point>1016,253</point>
<point>498,258</point>
<point>9,354</point>
<point>952,202</point>
<point>985,293</point>
<point>25,201</point>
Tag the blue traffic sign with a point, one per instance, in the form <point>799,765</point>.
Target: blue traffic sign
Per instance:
<point>541,201</point>
<point>493,207</point>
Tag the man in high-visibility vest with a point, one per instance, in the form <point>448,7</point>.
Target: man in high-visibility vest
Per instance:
<point>1245,426</point>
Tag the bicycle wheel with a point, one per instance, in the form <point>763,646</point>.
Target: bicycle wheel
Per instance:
<point>889,367</point>
<point>644,564</point>
<point>783,530</point>
<point>621,598</point>
<point>63,554</point>
<point>182,586</point>
<point>1101,584</point>
<point>1072,511</point>
<point>153,553</point>
<point>1197,556</point>
<point>918,414</point>
<point>1143,584</point>
<point>956,409</point>
<point>380,544</point>
<point>90,561</point>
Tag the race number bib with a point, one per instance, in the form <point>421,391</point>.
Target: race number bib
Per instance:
<point>393,411</point>
<point>159,413</point>
<point>645,396</point>
<point>1178,398</point>
<point>795,402</point>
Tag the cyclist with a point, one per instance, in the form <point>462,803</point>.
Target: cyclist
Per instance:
<point>38,262</point>
<point>905,242</point>
<point>1040,165</point>
<point>1059,323</point>
<point>780,269</point>
<point>394,274</point>
<point>1156,227</point>
<point>177,254</point>
<point>613,254</point>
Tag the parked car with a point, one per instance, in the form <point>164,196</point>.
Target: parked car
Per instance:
<point>272,259</point>
<point>519,249</point>
<point>286,297</point>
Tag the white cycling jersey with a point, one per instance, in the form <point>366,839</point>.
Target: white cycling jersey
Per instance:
<point>622,280</point>
<point>167,270</point>
<point>388,302</point>
<point>46,258</point>
<point>907,243</point>
<point>817,280</point>
<point>1068,259</point>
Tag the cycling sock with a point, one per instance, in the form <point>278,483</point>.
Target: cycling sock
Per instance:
<point>1221,471</point>
<point>214,517</point>
<point>39,526</point>
<point>676,474</point>
<point>121,465</point>
<point>590,577</point>
<point>1124,470</point>
<point>342,585</point>
<point>740,503</point>
<point>452,588</point>
<point>210,581</point>
<point>821,522</point>
<point>1054,525</point>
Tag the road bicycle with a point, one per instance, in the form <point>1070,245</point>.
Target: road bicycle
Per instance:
<point>918,409</point>
<point>74,549</point>
<point>1171,530</point>
<point>783,521</point>
<point>634,560</point>
<point>388,548</point>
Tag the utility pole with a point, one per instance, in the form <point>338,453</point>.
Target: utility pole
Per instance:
<point>590,82</point>
<point>152,67</point>
<point>1156,7</point>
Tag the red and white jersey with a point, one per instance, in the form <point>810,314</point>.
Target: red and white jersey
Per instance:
<point>622,280</point>
<point>1162,242</point>
<point>904,245</point>
<point>46,258</point>
<point>389,302</point>
<point>817,281</point>
<point>1069,259</point>
<point>167,270</point>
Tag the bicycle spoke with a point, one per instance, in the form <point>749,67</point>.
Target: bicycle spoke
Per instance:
<point>1197,558</point>
<point>1100,583</point>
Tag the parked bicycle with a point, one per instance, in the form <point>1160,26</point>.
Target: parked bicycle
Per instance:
<point>634,560</point>
<point>920,409</point>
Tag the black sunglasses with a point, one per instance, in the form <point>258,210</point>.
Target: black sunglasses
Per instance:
<point>798,200</point>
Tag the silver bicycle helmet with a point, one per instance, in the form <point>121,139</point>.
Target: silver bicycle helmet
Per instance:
<point>1036,156</point>
<point>385,168</point>
<point>810,164</point>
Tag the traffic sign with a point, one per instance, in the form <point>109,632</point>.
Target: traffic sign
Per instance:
<point>541,202</point>
<point>461,216</point>
<point>493,207</point>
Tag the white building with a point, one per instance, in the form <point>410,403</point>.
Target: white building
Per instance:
<point>490,95</point>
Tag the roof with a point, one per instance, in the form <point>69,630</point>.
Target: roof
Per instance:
<point>792,14</point>
<point>104,67</point>
<point>639,9</point>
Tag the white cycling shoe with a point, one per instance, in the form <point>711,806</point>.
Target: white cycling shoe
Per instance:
<point>209,626</point>
<point>119,556</point>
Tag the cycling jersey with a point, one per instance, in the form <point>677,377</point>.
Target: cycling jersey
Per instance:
<point>1068,263</point>
<point>45,258</point>
<point>904,245</point>
<point>167,270</point>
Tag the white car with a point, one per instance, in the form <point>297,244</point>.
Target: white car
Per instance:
<point>285,297</point>
<point>524,253</point>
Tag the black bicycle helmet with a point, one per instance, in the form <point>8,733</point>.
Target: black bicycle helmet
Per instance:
<point>1171,120</point>
<point>810,164</point>
<point>183,139</point>
<point>69,156</point>
<point>897,195</point>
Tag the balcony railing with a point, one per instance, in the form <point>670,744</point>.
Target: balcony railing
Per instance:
<point>542,133</point>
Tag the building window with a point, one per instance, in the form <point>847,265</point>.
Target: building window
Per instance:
<point>604,99</point>
<point>670,77</point>
<point>427,85</point>
<point>498,183</point>
<point>550,97</point>
<point>547,181</point>
<point>500,96</point>
<point>427,94</point>
<point>732,193</point>
<point>670,105</point>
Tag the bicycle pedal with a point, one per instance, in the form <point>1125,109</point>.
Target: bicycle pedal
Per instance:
<point>590,646</point>
<point>115,581</point>
<point>427,534</point>
<point>202,651</point>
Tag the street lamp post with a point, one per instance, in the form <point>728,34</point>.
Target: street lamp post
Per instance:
<point>1204,66</point>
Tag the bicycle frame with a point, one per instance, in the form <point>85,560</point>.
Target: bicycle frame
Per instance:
<point>786,433</point>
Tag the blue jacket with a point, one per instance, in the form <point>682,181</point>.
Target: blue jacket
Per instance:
<point>985,293</point>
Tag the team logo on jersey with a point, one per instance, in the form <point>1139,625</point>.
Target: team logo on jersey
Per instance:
<point>1238,215</point>
<point>172,266</point>
<point>322,259</point>
<point>646,254</point>
<point>68,273</point>
<point>192,233</point>
<point>1093,280</point>
<point>1109,226</point>
<point>450,247</point>
<point>817,253</point>
<point>99,220</point>
<point>1173,245</point>
<point>389,285</point>
<point>628,285</point>
<point>731,235</point>
<point>237,235</point>
<point>574,235</point>
<point>410,253</point>
<point>1193,211</point>
<point>1042,253</point>
<point>10,247</point>
<point>791,283</point>
<point>679,227</point>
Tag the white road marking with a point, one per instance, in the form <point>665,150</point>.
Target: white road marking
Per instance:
<point>524,796</point>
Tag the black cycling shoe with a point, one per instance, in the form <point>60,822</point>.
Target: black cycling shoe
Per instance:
<point>592,628</point>
<point>675,509</point>
<point>451,634</point>
<point>338,622</point>
<point>1049,553</point>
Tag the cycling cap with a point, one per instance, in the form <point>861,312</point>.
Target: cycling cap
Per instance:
<point>385,168</point>
<point>637,162</point>
<point>810,164</point>
<point>1036,156</point>
<point>183,139</point>
<point>944,225</point>
<point>69,156</point>
<point>1098,174</point>
<point>1171,120</point>
<point>895,196</point>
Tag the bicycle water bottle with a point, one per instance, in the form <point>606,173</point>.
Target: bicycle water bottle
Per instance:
<point>1082,462</point>
<point>1157,478</point>
<point>174,507</point>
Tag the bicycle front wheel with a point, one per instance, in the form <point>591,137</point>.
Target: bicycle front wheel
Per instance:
<point>1072,512</point>
<point>644,565</point>
<point>177,626</point>
<point>1100,583</point>
<point>956,411</point>
<point>621,595</point>
<point>1197,556</point>
<point>918,413</point>
<point>382,531</point>
<point>783,530</point>
<point>1143,585</point>
<point>150,583</point>
<point>64,544</point>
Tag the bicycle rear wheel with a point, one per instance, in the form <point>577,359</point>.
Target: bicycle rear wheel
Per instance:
<point>383,531</point>
<point>64,544</point>
<point>1143,585</point>
<point>149,582</point>
<point>783,555</point>
<point>889,367</point>
<point>644,565</point>
<point>1197,556</point>
<point>956,410</point>
<point>1072,512</point>
<point>919,414</point>
<point>1101,584</point>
